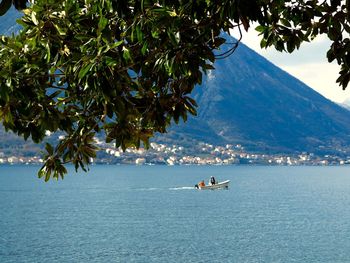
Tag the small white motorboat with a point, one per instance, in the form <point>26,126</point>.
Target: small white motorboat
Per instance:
<point>220,185</point>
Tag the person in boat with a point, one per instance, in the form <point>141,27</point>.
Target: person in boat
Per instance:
<point>201,184</point>
<point>212,180</point>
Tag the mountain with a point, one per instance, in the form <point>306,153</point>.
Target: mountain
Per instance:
<point>11,144</point>
<point>8,22</point>
<point>345,104</point>
<point>247,100</point>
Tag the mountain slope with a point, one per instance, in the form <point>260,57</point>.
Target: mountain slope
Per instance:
<point>8,22</point>
<point>250,101</point>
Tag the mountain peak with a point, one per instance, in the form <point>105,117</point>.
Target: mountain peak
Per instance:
<point>248,100</point>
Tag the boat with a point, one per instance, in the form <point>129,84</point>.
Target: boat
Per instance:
<point>220,185</point>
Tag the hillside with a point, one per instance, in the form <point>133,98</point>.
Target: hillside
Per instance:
<point>8,22</point>
<point>248,100</point>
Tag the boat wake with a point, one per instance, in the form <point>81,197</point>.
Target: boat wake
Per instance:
<point>182,188</point>
<point>162,189</point>
<point>148,189</point>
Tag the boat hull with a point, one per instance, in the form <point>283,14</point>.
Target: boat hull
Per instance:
<point>221,185</point>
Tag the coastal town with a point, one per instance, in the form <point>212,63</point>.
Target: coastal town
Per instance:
<point>200,154</point>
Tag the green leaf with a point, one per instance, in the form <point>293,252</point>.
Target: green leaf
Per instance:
<point>155,34</point>
<point>84,70</point>
<point>111,62</point>
<point>330,55</point>
<point>290,46</point>
<point>126,54</point>
<point>260,28</point>
<point>285,22</point>
<point>61,31</point>
<point>48,52</point>
<point>116,44</point>
<point>139,34</point>
<point>47,175</point>
<point>103,22</point>
<point>33,17</point>
<point>263,43</point>
<point>49,148</point>
<point>144,48</point>
<point>41,172</point>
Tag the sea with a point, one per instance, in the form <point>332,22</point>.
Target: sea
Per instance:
<point>154,214</point>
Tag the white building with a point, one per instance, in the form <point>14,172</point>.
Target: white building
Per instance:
<point>140,161</point>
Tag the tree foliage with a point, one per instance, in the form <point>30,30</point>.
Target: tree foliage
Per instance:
<point>127,68</point>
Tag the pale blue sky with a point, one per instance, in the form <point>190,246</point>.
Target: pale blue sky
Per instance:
<point>309,64</point>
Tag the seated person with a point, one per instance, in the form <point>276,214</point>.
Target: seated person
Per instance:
<point>212,180</point>
<point>201,183</point>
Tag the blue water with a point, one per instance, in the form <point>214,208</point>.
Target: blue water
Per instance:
<point>152,214</point>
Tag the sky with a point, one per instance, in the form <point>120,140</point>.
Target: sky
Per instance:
<point>308,64</point>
